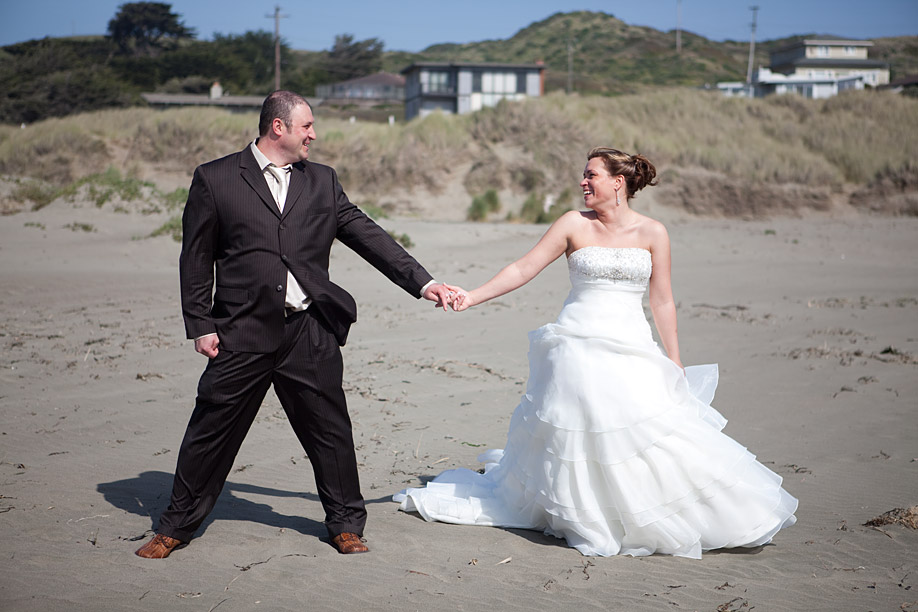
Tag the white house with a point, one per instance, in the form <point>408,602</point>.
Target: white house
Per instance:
<point>826,58</point>
<point>767,82</point>
<point>814,68</point>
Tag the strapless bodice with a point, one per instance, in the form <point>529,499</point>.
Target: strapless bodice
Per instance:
<point>631,266</point>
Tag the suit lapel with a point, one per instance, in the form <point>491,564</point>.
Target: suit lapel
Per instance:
<point>298,181</point>
<point>252,174</point>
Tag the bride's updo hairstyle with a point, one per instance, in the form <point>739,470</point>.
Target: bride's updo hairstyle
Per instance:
<point>637,169</point>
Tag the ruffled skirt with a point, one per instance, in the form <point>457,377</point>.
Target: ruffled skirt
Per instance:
<point>614,449</point>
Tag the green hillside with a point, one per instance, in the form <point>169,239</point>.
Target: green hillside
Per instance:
<point>609,56</point>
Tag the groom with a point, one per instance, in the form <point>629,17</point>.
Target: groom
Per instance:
<point>265,219</point>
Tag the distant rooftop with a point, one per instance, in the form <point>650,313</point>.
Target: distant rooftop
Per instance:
<point>380,78</point>
<point>828,41</point>
<point>202,100</point>
<point>537,66</point>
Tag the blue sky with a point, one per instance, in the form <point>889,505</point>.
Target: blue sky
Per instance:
<point>411,25</point>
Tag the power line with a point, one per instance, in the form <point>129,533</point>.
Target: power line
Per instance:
<point>678,27</point>
<point>277,71</point>
<point>570,64</point>
<point>755,11</point>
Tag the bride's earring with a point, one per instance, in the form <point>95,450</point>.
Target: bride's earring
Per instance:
<point>618,199</point>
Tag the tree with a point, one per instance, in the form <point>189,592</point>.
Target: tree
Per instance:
<point>55,77</point>
<point>243,63</point>
<point>147,28</point>
<point>348,59</point>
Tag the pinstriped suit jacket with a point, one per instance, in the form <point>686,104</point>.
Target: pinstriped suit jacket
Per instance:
<point>232,225</point>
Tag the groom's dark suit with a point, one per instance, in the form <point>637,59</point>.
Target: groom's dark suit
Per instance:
<point>232,223</point>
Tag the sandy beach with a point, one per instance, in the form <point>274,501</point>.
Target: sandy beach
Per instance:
<point>814,322</point>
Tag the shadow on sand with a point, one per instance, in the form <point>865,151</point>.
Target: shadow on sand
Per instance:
<point>148,493</point>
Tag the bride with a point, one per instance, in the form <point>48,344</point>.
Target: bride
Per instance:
<point>614,446</point>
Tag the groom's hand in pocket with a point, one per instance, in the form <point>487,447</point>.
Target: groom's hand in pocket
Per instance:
<point>207,345</point>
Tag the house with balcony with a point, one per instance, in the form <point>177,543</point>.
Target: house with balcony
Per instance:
<point>460,88</point>
<point>814,68</point>
<point>826,58</point>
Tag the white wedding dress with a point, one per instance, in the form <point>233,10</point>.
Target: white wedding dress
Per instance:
<point>611,447</point>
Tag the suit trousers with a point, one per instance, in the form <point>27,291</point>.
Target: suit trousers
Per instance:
<point>306,372</point>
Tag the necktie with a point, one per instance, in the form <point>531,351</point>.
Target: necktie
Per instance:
<point>280,184</point>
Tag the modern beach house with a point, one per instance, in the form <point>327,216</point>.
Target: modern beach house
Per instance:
<point>467,87</point>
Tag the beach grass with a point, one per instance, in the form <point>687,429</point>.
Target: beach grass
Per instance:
<point>536,147</point>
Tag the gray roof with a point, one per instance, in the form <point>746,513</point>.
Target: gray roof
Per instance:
<point>827,62</point>
<point>824,40</point>
<point>380,78</point>
<point>473,65</point>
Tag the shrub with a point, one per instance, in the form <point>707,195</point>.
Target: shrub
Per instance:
<point>175,199</point>
<point>483,205</point>
<point>36,192</point>
<point>534,211</point>
<point>80,227</point>
<point>374,211</point>
<point>402,239</point>
<point>172,227</point>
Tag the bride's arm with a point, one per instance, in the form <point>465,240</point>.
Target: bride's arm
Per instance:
<point>551,246</point>
<point>662,305</point>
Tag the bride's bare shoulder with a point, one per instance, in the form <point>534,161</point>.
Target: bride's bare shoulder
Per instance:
<point>653,234</point>
<point>651,227</point>
<point>579,215</point>
<point>573,219</point>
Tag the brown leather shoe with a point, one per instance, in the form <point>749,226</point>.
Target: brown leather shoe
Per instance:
<point>349,544</point>
<point>159,547</point>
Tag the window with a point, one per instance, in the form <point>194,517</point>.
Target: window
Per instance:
<point>438,82</point>
<point>496,86</point>
<point>850,51</point>
<point>498,82</point>
<point>822,51</point>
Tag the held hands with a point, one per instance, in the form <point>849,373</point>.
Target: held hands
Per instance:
<point>443,295</point>
<point>462,300</point>
<point>459,298</point>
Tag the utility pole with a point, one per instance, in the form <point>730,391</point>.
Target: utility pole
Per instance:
<point>277,68</point>
<point>678,27</point>
<point>755,11</point>
<point>570,65</point>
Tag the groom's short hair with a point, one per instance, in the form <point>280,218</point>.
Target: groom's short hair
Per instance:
<point>279,105</point>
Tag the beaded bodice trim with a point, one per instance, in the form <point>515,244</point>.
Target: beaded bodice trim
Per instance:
<point>627,265</point>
